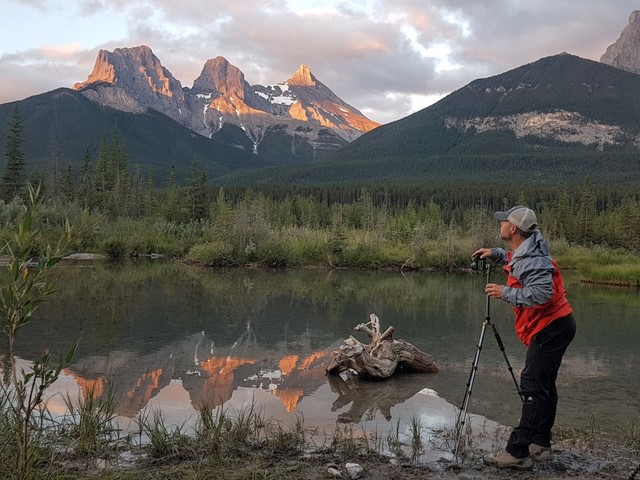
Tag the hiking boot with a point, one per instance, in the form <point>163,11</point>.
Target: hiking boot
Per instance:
<point>540,453</point>
<point>506,460</point>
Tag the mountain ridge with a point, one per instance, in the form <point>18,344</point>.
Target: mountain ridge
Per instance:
<point>302,108</point>
<point>559,84</point>
<point>561,116</point>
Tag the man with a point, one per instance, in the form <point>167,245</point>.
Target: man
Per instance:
<point>543,322</point>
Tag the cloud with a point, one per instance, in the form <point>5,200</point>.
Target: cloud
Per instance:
<point>384,58</point>
<point>35,4</point>
<point>40,70</point>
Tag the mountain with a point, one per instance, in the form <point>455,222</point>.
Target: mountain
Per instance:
<point>625,52</point>
<point>563,100</point>
<point>296,121</point>
<point>559,116</point>
<point>63,124</point>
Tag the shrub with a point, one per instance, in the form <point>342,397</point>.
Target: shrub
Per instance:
<point>113,247</point>
<point>275,253</point>
<point>213,254</point>
<point>361,255</point>
<point>308,246</point>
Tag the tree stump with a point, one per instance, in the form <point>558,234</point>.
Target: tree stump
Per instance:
<point>382,357</point>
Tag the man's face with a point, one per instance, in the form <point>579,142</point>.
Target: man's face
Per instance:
<point>506,230</point>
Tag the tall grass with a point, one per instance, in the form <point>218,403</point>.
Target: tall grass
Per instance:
<point>90,423</point>
<point>163,442</point>
<point>600,264</point>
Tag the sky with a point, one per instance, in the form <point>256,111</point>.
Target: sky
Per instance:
<point>388,58</point>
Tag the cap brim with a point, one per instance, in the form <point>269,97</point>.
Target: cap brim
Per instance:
<point>500,216</point>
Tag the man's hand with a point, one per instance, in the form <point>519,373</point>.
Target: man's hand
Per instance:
<point>494,290</point>
<point>482,253</point>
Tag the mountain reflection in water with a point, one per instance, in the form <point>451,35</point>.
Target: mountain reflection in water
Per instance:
<point>163,335</point>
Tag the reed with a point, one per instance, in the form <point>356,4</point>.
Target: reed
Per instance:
<point>90,423</point>
<point>165,443</point>
<point>415,427</point>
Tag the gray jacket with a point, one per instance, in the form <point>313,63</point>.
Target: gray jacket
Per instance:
<point>531,265</point>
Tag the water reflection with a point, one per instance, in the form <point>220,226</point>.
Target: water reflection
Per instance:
<point>167,335</point>
<point>368,397</point>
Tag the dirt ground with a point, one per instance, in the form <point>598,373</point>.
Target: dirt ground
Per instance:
<point>607,461</point>
<point>566,465</point>
<point>577,455</point>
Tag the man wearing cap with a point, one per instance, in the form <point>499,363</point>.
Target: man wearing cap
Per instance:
<point>543,322</point>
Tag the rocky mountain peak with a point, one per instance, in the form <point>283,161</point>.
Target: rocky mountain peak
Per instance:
<point>218,75</point>
<point>134,69</point>
<point>133,80</point>
<point>625,52</point>
<point>303,77</point>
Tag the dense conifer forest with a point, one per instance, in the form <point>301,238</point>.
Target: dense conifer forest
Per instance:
<point>431,223</point>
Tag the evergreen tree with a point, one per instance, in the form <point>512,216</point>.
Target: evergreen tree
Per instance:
<point>563,218</point>
<point>628,224</point>
<point>585,220</point>
<point>12,182</point>
<point>197,193</point>
<point>86,186</point>
<point>173,208</point>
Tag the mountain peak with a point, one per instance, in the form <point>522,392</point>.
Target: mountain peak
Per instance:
<point>124,64</point>
<point>625,52</point>
<point>218,75</point>
<point>303,77</point>
<point>134,80</point>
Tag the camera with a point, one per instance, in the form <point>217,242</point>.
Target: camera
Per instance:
<point>479,264</point>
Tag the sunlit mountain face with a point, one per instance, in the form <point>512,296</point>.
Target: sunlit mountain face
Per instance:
<point>300,112</point>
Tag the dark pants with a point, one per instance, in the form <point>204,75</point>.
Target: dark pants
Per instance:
<point>538,386</point>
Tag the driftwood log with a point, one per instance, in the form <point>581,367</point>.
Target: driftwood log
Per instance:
<point>382,357</point>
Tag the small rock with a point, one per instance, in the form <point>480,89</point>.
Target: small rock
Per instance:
<point>332,465</point>
<point>355,471</point>
<point>334,472</point>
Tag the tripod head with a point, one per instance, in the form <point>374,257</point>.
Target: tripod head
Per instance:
<point>479,264</point>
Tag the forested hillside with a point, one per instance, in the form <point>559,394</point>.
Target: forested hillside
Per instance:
<point>563,82</point>
<point>61,126</point>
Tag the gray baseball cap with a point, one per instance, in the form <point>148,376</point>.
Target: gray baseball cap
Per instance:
<point>522,217</point>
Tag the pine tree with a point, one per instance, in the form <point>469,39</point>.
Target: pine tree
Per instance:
<point>86,185</point>
<point>173,206</point>
<point>586,217</point>
<point>198,195</point>
<point>12,182</point>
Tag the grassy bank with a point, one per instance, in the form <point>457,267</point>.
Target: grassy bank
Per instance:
<point>245,444</point>
<point>599,264</point>
<point>257,231</point>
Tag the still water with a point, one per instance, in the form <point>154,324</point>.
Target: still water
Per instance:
<point>168,336</point>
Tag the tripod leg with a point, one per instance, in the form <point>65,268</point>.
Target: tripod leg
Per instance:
<point>462,414</point>
<point>506,359</point>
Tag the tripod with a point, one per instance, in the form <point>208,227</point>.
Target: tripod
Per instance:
<point>462,414</point>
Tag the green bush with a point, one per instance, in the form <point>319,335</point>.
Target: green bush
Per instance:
<point>275,253</point>
<point>113,247</point>
<point>214,254</point>
<point>308,247</point>
<point>361,255</point>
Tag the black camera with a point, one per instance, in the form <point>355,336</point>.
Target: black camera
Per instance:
<point>479,264</point>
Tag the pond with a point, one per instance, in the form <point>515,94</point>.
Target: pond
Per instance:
<point>169,336</point>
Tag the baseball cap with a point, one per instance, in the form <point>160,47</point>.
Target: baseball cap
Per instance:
<point>522,217</point>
